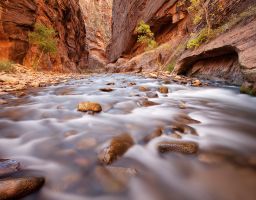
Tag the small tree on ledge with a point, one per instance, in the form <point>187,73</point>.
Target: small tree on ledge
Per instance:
<point>44,38</point>
<point>145,35</point>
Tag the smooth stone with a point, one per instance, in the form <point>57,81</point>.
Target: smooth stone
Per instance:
<point>8,167</point>
<point>111,83</point>
<point>152,95</point>
<point>17,188</point>
<point>117,148</point>
<point>89,106</point>
<point>185,147</point>
<point>176,136</point>
<point>131,84</point>
<point>147,103</point>
<point>86,143</point>
<point>3,102</point>
<point>143,89</point>
<point>196,83</point>
<point>182,105</point>
<point>106,89</point>
<point>183,129</point>
<point>164,90</point>
<point>156,133</point>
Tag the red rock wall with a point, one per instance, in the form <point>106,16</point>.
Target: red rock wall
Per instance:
<point>17,18</point>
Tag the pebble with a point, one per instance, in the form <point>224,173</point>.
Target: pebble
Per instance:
<point>185,147</point>
<point>3,102</point>
<point>143,89</point>
<point>89,106</point>
<point>164,90</point>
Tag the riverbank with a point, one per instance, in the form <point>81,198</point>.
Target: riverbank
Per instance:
<point>21,78</point>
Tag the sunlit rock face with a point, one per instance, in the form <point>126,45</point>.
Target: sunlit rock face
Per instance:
<point>97,15</point>
<point>17,18</point>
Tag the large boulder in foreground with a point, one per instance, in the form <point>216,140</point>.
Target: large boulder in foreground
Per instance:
<point>17,188</point>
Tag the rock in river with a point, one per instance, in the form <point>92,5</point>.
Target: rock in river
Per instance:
<point>185,147</point>
<point>117,147</point>
<point>89,106</point>
<point>106,89</point>
<point>17,188</point>
<point>163,90</point>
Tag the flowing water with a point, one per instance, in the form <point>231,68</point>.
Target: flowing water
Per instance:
<point>49,137</point>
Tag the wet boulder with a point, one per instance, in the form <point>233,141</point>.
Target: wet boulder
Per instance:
<point>17,188</point>
<point>89,106</point>
<point>8,167</point>
<point>185,147</point>
<point>196,83</point>
<point>117,148</point>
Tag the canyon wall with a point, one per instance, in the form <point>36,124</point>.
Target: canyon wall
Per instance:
<point>97,16</point>
<point>229,56</point>
<point>17,19</point>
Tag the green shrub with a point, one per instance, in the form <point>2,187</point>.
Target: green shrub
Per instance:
<point>44,38</point>
<point>200,38</point>
<point>170,67</point>
<point>6,66</point>
<point>145,35</point>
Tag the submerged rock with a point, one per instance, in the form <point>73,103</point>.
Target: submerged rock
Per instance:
<point>164,90</point>
<point>114,179</point>
<point>16,188</point>
<point>89,106</point>
<point>152,95</point>
<point>248,88</point>
<point>143,89</point>
<point>147,103</point>
<point>106,89</point>
<point>8,167</point>
<point>185,147</point>
<point>117,147</point>
<point>3,102</point>
<point>151,136</point>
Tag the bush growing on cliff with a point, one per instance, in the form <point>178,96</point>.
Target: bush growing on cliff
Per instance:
<point>44,38</point>
<point>6,66</point>
<point>145,35</point>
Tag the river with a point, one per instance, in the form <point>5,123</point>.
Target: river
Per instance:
<point>44,132</point>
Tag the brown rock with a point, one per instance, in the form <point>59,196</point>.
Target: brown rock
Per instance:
<point>106,89</point>
<point>89,106</point>
<point>196,83</point>
<point>147,103</point>
<point>184,147</point>
<point>143,89</point>
<point>154,134</point>
<point>164,90</point>
<point>17,188</point>
<point>3,102</point>
<point>117,147</point>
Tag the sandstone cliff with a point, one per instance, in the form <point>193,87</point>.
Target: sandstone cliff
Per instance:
<point>230,56</point>
<point>17,18</point>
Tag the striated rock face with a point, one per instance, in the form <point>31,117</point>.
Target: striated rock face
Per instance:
<point>126,15</point>
<point>17,18</point>
<point>230,57</point>
<point>97,16</point>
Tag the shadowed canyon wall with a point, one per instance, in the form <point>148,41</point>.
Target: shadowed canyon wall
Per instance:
<point>97,16</point>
